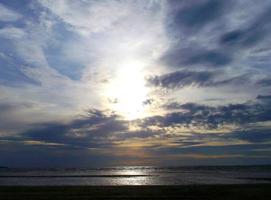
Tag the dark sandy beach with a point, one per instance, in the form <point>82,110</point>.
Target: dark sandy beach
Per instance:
<point>231,192</point>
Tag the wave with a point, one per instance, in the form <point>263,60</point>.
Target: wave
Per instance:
<point>76,176</point>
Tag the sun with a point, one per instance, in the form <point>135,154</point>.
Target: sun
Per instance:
<point>127,91</point>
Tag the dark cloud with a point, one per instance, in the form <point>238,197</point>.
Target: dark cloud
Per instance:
<point>181,57</point>
<point>209,57</point>
<point>211,43</point>
<point>252,35</point>
<point>102,131</point>
<point>18,154</point>
<point>148,102</point>
<point>7,108</point>
<point>4,107</point>
<point>231,37</point>
<point>179,79</point>
<point>195,115</point>
<point>236,80</point>
<point>205,37</point>
<point>194,15</point>
<point>225,154</point>
<point>216,150</point>
<point>264,97</point>
<point>92,130</point>
<point>9,118</point>
<point>187,18</point>
<point>253,136</point>
<point>264,82</point>
<point>96,130</point>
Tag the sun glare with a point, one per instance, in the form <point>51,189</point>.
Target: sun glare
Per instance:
<point>127,91</point>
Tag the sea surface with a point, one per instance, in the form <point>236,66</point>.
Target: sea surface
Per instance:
<point>137,175</point>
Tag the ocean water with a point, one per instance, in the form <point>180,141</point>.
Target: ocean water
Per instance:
<point>137,175</point>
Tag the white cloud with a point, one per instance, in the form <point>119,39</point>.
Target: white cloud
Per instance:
<point>109,33</point>
<point>8,15</point>
<point>98,16</point>
<point>12,33</point>
<point>88,16</point>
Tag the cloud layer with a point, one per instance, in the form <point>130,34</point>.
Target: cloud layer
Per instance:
<point>195,76</point>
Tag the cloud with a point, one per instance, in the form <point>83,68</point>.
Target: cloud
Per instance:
<point>13,153</point>
<point>264,82</point>
<point>263,97</point>
<point>220,38</point>
<point>11,74</point>
<point>96,129</point>
<point>252,136</point>
<point>266,99</point>
<point>192,27</point>
<point>93,36</point>
<point>103,132</point>
<point>86,16</point>
<point>11,33</point>
<point>207,57</point>
<point>91,131</point>
<point>224,154</point>
<point>181,57</point>
<point>192,23</point>
<point>11,121</point>
<point>252,35</point>
<point>205,62</point>
<point>194,15</point>
<point>94,17</point>
<point>183,78</point>
<point>8,15</point>
<point>210,117</point>
<point>243,135</point>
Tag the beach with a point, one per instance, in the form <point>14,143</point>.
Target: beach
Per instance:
<point>137,182</point>
<point>232,192</point>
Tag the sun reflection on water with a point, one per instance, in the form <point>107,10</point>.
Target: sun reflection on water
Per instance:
<point>135,176</point>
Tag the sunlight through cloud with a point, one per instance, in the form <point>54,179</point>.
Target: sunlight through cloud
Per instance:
<point>127,91</point>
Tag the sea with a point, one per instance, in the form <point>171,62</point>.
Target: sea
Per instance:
<point>136,175</point>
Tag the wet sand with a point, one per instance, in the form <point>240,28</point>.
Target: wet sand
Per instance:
<point>231,192</point>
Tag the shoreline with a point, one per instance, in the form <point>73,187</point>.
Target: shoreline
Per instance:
<point>240,191</point>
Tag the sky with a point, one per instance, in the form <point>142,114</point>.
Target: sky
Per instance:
<point>135,82</point>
